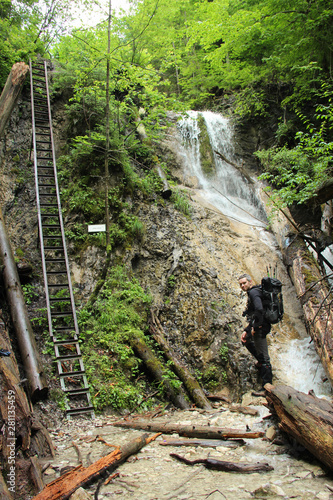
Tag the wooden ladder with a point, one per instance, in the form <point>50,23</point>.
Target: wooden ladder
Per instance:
<point>61,314</point>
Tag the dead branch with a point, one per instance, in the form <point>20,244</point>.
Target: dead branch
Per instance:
<point>203,443</point>
<point>240,168</point>
<point>205,432</point>
<point>65,485</point>
<point>211,463</point>
<point>77,449</point>
<point>190,382</point>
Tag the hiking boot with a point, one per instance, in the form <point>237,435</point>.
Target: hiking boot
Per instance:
<point>259,394</point>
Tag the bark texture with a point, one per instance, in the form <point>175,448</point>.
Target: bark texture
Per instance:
<point>11,92</point>
<point>157,370</point>
<point>65,485</point>
<point>202,432</point>
<point>306,418</point>
<point>26,341</point>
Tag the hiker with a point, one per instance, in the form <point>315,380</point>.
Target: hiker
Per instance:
<point>254,335</point>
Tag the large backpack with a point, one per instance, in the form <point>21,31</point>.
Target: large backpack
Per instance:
<point>272,299</point>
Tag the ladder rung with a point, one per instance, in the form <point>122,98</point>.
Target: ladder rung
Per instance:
<point>79,411</point>
<point>66,342</point>
<point>54,248</point>
<point>67,358</point>
<point>60,299</point>
<point>74,392</point>
<point>71,374</point>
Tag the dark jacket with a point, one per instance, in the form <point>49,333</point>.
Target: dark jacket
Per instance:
<point>255,312</point>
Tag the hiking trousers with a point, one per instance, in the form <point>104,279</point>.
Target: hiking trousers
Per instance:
<point>257,345</point>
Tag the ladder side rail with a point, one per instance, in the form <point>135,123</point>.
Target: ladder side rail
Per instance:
<point>59,205</point>
<point>40,227</point>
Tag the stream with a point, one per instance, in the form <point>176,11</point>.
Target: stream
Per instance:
<point>294,359</point>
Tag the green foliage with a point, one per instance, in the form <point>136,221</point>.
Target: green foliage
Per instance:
<point>224,353</point>
<point>120,312</point>
<point>29,292</point>
<point>180,200</point>
<point>171,281</point>
<point>299,172</point>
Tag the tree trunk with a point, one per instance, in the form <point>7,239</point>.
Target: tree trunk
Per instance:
<point>28,349</point>
<point>195,431</point>
<point>316,299</point>
<point>11,92</point>
<point>65,485</point>
<point>306,418</point>
<point>158,371</point>
<point>13,399</point>
<point>19,430</point>
<point>191,384</point>
<point>4,493</point>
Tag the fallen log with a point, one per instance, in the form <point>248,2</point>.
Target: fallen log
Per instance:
<point>157,370</point>
<point>62,487</point>
<point>11,92</point>
<point>195,431</point>
<point>13,398</point>
<point>315,297</point>
<point>306,418</point>
<point>4,492</point>
<point>190,383</point>
<point>37,385</point>
<point>240,168</point>
<point>211,463</point>
<point>203,443</point>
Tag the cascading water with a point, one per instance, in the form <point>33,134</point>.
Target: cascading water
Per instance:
<point>296,362</point>
<point>225,188</point>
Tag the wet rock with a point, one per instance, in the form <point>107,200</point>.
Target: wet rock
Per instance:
<point>271,433</point>
<point>268,490</point>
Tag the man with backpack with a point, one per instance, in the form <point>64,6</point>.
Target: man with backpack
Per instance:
<point>254,335</point>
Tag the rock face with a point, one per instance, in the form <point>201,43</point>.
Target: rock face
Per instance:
<point>190,264</point>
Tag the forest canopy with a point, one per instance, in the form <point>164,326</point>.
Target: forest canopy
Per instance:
<point>191,54</point>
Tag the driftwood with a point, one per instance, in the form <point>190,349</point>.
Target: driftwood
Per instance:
<point>203,443</point>
<point>37,385</point>
<point>11,92</point>
<point>316,302</point>
<point>190,383</point>
<point>65,485</point>
<point>246,410</point>
<point>240,168</point>
<point>211,463</point>
<point>306,418</point>
<point>195,431</point>
<point>156,368</point>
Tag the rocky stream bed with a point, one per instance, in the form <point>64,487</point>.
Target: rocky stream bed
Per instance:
<point>153,474</point>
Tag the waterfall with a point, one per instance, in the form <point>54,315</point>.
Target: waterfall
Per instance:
<point>226,188</point>
<point>295,360</point>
